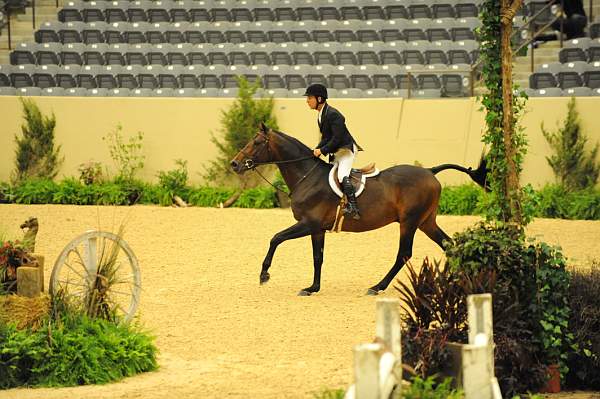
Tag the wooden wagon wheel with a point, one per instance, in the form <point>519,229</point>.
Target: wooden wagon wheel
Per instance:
<point>98,271</point>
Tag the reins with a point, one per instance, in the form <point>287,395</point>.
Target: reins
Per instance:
<point>251,165</point>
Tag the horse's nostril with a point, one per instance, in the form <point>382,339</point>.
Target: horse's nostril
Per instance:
<point>234,164</point>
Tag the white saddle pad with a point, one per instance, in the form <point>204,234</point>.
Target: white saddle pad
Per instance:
<point>336,189</point>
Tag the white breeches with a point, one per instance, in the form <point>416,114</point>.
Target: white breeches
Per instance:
<point>344,158</point>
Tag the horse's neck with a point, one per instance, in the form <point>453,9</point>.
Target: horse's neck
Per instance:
<point>294,172</point>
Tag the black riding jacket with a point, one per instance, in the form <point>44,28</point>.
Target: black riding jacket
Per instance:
<point>334,133</point>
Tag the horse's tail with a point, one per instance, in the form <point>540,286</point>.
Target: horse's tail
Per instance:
<point>478,175</point>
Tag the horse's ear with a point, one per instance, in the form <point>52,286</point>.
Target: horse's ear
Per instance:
<point>264,128</point>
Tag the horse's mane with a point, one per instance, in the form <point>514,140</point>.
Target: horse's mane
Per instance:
<point>303,147</point>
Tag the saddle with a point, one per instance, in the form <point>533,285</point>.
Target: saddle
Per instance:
<point>358,178</point>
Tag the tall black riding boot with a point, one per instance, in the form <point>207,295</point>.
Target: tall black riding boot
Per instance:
<point>351,207</point>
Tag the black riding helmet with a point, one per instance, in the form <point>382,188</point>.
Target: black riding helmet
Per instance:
<point>317,90</point>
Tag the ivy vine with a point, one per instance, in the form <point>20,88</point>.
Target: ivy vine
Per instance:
<point>502,203</point>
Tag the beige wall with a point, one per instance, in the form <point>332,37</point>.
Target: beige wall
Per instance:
<point>391,130</point>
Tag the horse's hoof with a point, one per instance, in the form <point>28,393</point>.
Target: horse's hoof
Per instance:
<point>264,278</point>
<point>304,293</point>
<point>372,292</point>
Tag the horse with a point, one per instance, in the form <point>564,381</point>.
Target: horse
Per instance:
<point>406,194</point>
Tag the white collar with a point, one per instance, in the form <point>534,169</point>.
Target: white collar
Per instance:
<point>321,112</point>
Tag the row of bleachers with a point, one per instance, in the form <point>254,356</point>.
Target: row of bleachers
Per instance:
<point>558,92</point>
<point>424,53</point>
<point>167,92</point>
<point>565,80</point>
<point>454,84</point>
<point>190,10</point>
<point>133,33</point>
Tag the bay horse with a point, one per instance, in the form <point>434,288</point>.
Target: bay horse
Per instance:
<point>405,194</point>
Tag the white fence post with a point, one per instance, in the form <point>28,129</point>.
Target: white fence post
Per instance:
<point>366,371</point>
<point>476,359</point>
<point>388,330</point>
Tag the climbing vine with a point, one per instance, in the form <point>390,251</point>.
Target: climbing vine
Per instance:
<point>504,137</point>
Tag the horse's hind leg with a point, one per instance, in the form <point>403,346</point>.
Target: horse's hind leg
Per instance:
<point>433,231</point>
<point>318,244</point>
<point>296,231</point>
<point>407,234</point>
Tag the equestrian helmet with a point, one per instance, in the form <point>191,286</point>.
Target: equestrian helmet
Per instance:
<point>317,90</point>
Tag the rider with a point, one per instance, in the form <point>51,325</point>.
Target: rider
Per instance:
<point>336,141</point>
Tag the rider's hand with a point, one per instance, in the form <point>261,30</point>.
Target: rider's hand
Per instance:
<point>317,152</point>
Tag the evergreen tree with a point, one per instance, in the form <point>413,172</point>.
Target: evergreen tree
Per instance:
<point>573,166</point>
<point>239,125</point>
<point>36,154</point>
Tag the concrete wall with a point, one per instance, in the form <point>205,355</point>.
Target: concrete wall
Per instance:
<point>392,131</point>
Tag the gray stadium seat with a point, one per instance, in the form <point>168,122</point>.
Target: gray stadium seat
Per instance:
<point>21,76</point>
<point>24,54</point>
<point>7,91</point>
<point>578,92</point>
<point>93,11</point>
<point>118,92</point>
<point>547,92</point>
<point>43,76</point>
<point>48,54</point>
<point>542,80</point>
<point>76,92</point>
<point>29,91</point>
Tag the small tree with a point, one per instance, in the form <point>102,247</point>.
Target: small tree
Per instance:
<point>239,124</point>
<point>573,166</point>
<point>127,156</point>
<point>36,155</point>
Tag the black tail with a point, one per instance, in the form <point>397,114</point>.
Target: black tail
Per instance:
<point>478,175</point>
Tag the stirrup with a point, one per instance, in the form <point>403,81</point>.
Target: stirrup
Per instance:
<point>352,211</point>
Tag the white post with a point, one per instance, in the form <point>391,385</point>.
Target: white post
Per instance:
<point>481,324</point>
<point>388,325</point>
<point>477,373</point>
<point>388,330</point>
<point>366,371</point>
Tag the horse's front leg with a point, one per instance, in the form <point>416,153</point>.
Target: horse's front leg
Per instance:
<point>296,231</point>
<point>318,244</point>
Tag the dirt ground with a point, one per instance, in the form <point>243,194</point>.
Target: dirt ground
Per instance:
<point>219,333</point>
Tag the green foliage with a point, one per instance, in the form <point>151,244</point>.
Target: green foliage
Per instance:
<point>259,197</point>
<point>529,286</point>
<point>127,155</point>
<point>90,172</point>
<point>584,324</point>
<point>461,200</point>
<point>173,182</point>
<point>209,196</point>
<point>500,202</point>
<point>73,350</point>
<point>239,124</point>
<point>429,388</point>
<point>330,394</point>
<point>574,168</point>
<point>36,155</point>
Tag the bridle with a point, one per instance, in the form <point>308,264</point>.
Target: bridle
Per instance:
<point>251,164</point>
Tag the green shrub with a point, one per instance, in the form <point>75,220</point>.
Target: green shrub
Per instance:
<point>460,200</point>
<point>574,168</point>
<point>429,388</point>
<point>239,124</point>
<point>36,155</point>
<point>74,350</point>
<point>330,394</point>
<point>34,191</point>
<point>90,172</point>
<point>529,286</point>
<point>584,323</point>
<point>259,197</point>
<point>209,196</point>
<point>173,182</point>
<point>127,155</point>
